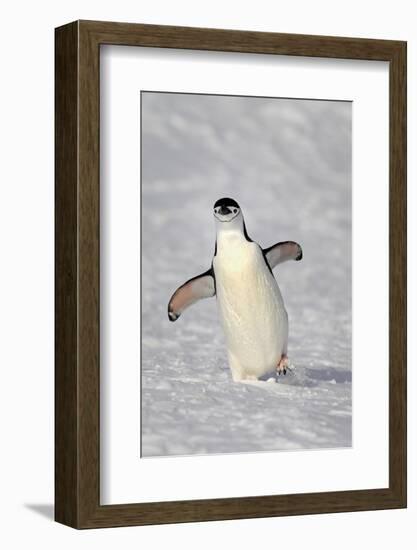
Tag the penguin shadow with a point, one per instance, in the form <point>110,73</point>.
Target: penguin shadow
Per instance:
<point>309,377</point>
<point>271,381</point>
<point>274,377</point>
<point>329,374</point>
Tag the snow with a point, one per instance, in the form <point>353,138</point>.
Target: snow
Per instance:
<point>288,164</point>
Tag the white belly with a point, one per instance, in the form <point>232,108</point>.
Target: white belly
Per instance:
<point>251,309</point>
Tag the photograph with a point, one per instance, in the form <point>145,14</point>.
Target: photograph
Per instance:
<point>246,274</point>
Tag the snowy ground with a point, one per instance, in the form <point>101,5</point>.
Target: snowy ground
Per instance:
<point>288,164</point>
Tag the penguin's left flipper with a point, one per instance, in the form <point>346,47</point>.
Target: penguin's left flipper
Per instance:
<point>281,252</point>
<point>190,292</point>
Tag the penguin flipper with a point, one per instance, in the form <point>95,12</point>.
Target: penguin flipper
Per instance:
<point>281,252</point>
<point>190,292</point>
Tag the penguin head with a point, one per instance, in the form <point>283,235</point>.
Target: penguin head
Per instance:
<point>225,210</point>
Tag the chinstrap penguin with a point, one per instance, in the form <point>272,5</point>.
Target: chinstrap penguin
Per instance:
<point>250,304</point>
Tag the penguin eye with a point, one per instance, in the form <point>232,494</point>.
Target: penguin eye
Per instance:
<point>234,210</point>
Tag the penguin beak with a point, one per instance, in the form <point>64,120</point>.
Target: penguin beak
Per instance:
<point>224,210</point>
<point>225,213</point>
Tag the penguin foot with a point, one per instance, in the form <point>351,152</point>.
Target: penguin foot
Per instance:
<point>282,365</point>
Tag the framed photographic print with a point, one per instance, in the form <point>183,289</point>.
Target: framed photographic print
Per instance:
<point>230,274</point>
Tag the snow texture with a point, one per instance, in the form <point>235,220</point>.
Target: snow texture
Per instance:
<point>288,164</point>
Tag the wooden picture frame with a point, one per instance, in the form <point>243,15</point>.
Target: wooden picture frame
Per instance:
<point>77,370</point>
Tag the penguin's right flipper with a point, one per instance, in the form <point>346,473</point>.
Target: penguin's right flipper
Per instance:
<point>190,292</point>
<point>282,252</point>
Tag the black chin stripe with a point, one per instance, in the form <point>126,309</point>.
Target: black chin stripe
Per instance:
<point>226,221</point>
